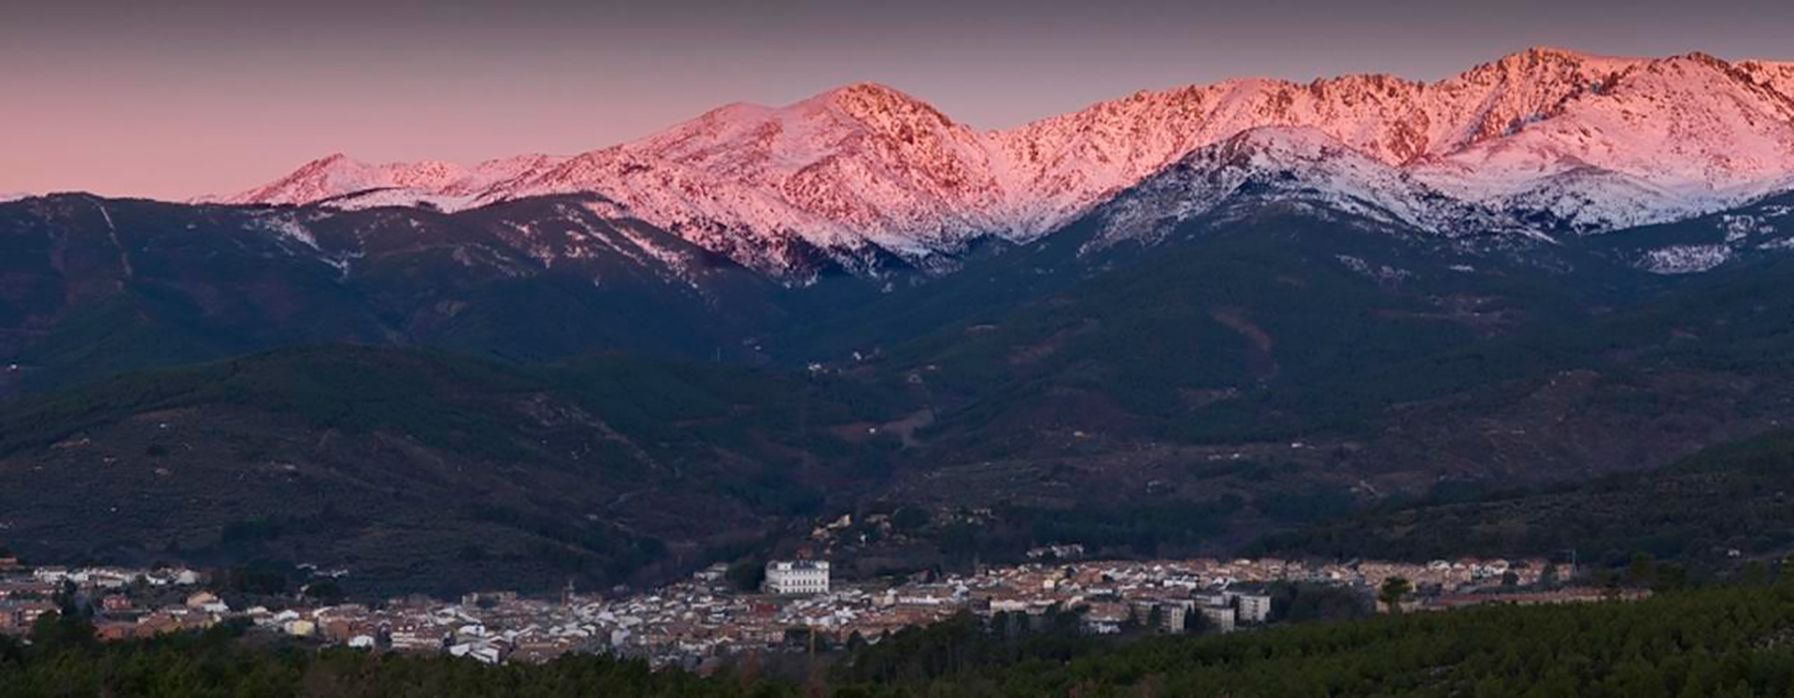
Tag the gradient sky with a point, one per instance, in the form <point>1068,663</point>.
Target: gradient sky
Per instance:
<point>177,98</point>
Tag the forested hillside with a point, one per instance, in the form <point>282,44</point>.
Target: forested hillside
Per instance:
<point>1709,510</point>
<point>429,472</point>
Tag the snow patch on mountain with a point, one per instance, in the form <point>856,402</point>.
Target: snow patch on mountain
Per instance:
<point>286,228</point>
<point>1287,164</point>
<point>351,184</point>
<point>300,241</point>
<point>1685,259</point>
<point>1739,227</point>
<point>1580,200</point>
<point>1381,273</point>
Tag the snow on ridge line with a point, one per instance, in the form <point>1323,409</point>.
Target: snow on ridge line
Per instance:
<point>337,175</point>
<point>1597,142</point>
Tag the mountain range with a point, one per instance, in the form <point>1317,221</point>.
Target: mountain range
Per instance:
<point>1170,322</point>
<point>1542,142</point>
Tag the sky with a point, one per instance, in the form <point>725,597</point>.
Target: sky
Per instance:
<point>180,98</point>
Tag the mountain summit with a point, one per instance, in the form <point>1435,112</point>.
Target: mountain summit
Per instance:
<point>1563,141</point>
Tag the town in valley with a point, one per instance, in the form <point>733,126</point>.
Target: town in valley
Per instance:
<point>795,605</point>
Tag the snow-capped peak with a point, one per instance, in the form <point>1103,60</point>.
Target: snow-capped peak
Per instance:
<point>1565,140</point>
<point>1661,140</point>
<point>856,171</point>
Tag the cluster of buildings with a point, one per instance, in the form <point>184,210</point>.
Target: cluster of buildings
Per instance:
<point>116,593</point>
<point>136,603</point>
<point>799,607</point>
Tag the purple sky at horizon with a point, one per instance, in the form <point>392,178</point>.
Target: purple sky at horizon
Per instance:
<point>192,97</point>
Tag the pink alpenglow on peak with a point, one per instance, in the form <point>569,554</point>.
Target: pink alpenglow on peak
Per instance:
<point>1595,143</point>
<point>390,183</point>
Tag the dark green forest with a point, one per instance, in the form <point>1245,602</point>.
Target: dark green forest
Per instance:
<point>1724,503</point>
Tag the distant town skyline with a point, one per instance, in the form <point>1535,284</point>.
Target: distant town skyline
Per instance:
<point>175,100</point>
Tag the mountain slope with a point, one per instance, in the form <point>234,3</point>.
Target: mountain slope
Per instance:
<point>1731,497</point>
<point>1261,362</point>
<point>90,286</point>
<point>1281,166</point>
<point>422,471</point>
<point>1739,236</point>
<point>1272,324</point>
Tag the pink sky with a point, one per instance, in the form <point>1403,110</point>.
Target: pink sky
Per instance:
<point>201,96</point>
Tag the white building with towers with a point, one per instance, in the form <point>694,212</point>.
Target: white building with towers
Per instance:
<point>797,577</point>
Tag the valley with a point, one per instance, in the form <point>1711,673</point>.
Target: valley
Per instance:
<point>1181,323</point>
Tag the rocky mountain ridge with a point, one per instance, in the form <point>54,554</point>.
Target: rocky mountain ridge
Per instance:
<point>1548,140</point>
